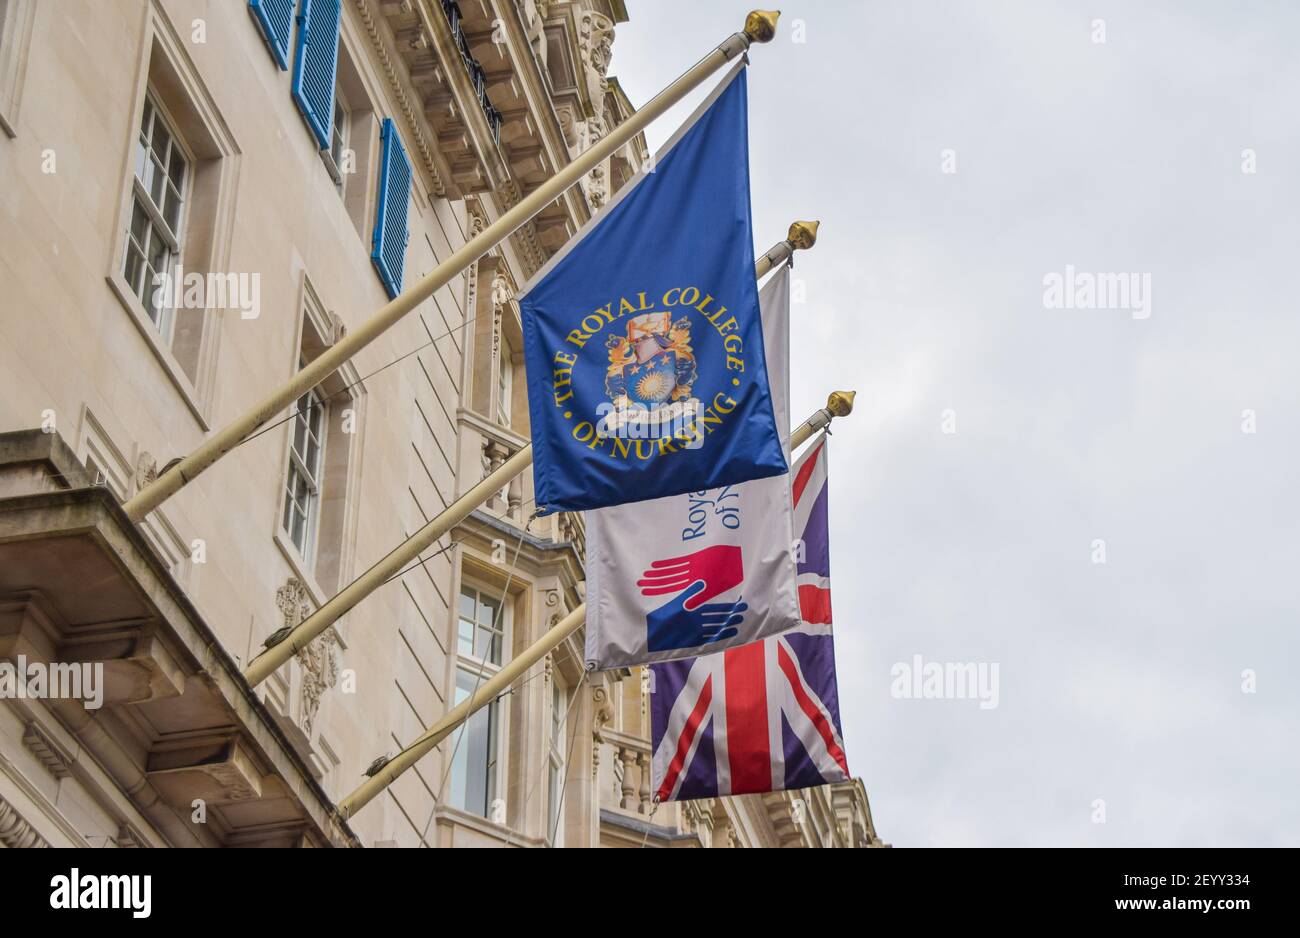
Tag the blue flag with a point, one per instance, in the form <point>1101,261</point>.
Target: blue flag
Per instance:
<point>643,342</point>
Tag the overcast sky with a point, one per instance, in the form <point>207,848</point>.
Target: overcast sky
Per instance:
<point>1119,681</point>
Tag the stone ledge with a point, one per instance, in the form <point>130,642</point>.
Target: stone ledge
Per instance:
<point>76,549</point>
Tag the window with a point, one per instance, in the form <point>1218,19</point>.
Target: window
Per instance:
<point>302,487</point>
<point>481,629</point>
<point>473,773</point>
<point>317,507</point>
<point>556,754</point>
<point>159,189</point>
<point>336,160</point>
<point>505,382</point>
<point>16,17</point>
<point>558,65</point>
<point>349,160</point>
<point>176,208</point>
<point>481,641</point>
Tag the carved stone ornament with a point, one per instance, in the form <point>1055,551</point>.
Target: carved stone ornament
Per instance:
<point>15,832</point>
<point>501,292</point>
<point>48,750</point>
<point>645,695</point>
<point>568,125</point>
<point>597,186</point>
<point>320,672</point>
<point>602,712</point>
<point>596,42</point>
<point>146,469</point>
<point>293,601</point>
<point>601,715</point>
<point>319,661</point>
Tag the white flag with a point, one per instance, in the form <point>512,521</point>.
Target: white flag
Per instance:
<point>692,574</point>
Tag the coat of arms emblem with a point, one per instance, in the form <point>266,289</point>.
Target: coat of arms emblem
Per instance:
<point>651,371</point>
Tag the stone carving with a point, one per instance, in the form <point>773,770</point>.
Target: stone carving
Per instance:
<point>597,186</point>
<point>56,759</point>
<point>293,601</point>
<point>568,126</point>
<point>601,714</point>
<point>319,661</point>
<point>15,832</point>
<point>477,222</point>
<point>146,469</point>
<point>320,672</point>
<point>645,697</point>
<point>501,291</point>
<point>595,42</point>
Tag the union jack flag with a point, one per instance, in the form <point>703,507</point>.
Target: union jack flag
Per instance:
<point>764,716</point>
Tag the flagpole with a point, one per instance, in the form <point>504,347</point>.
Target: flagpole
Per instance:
<point>802,236</point>
<point>265,664</point>
<point>760,26</point>
<point>839,404</point>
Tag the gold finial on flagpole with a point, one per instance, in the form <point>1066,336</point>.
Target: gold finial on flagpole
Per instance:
<point>840,403</point>
<point>803,234</point>
<point>760,25</point>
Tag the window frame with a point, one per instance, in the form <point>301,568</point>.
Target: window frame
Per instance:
<point>342,132</point>
<point>163,65</point>
<point>478,671</point>
<point>16,19</point>
<point>557,768</point>
<point>173,235</point>
<point>298,468</point>
<point>498,633</point>
<point>461,768</point>
<point>328,566</point>
<point>556,38</point>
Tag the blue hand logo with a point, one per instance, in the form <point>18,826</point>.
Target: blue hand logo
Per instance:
<point>675,626</point>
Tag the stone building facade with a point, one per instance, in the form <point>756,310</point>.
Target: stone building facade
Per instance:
<point>208,142</point>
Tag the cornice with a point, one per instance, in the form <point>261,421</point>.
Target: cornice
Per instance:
<point>438,186</point>
<point>16,832</point>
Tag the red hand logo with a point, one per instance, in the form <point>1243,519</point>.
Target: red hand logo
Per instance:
<point>719,568</point>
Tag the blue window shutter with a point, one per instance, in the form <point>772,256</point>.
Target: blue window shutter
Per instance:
<point>275,19</point>
<point>314,66</point>
<point>391,231</point>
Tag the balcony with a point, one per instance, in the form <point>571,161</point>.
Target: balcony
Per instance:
<point>478,78</point>
<point>179,726</point>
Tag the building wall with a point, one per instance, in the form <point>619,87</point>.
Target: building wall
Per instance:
<point>416,419</point>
